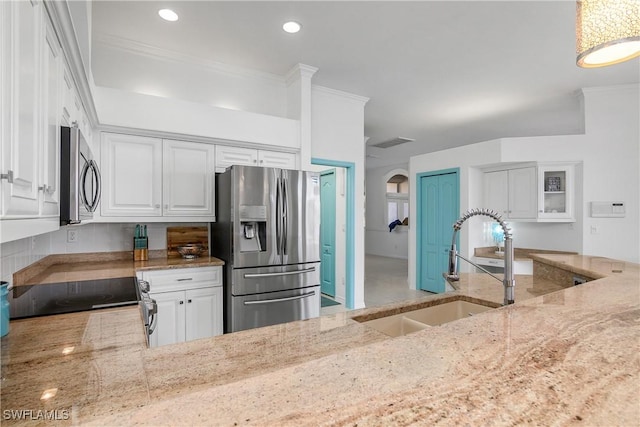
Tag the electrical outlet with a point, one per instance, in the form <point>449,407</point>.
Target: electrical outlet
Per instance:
<point>72,235</point>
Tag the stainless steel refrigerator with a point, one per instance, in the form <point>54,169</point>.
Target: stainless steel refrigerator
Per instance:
<point>268,234</point>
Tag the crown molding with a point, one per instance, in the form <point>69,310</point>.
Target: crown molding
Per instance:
<point>299,71</point>
<point>603,89</point>
<point>342,94</point>
<point>137,48</point>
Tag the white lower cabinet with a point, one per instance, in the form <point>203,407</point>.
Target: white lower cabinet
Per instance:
<point>189,304</point>
<point>496,265</point>
<point>170,321</point>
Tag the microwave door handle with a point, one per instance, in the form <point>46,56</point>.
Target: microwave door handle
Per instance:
<point>98,189</point>
<point>82,189</point>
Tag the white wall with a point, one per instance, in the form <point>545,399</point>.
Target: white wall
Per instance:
<point>379,241</point>
<point>337,133</point>
<point>139,111</point>
<point>610,156</point>
<point>608,170</point>
<point>90,238</point>
<point>138,68</point>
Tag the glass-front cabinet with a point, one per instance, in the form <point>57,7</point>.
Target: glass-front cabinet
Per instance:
<point>555,193</point>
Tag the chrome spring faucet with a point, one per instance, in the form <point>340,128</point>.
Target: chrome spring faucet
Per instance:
<point>508,279</point>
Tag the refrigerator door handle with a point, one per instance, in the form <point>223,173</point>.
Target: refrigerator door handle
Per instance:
<point>278,217</point>
<point>286,273</point>
<point>285,217</point>
<point>268,301</point>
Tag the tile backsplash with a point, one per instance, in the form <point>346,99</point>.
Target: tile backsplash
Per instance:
<point>89,238</point>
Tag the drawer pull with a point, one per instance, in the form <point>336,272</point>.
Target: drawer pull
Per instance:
<point>185,280</point>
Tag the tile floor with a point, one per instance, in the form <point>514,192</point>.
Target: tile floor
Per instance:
<point>385,282</point>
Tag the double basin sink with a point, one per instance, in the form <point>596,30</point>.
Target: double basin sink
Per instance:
<point>418,317</point>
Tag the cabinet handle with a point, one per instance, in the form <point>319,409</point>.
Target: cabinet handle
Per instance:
<point>46,189</point>
<point>181,302</point>
<point>184,280</point>
<point>189,301</point>
<point>8,176</point>
<point>157,206</point>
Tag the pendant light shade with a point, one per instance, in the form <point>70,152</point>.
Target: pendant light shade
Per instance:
<point>607,32</point>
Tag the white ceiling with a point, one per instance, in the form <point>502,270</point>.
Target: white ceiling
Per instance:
<point>445,73</point>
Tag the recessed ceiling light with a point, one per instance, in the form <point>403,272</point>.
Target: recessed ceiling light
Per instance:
<point>168,15</point>
<point>291,27</point>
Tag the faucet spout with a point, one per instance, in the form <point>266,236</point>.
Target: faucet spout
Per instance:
<point>508,280</point>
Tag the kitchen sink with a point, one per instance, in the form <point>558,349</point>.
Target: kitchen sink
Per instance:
<point>412,321</point>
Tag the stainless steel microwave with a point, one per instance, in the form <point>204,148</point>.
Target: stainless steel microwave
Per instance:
<point>80,181</point>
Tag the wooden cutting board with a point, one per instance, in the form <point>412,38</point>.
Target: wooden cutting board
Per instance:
<point>177,236</point>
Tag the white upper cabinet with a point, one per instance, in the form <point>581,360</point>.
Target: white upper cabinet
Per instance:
<point>50,180</point>
<point>274,159</point>
<point>131,175</point>
<point>227,156</point>
<point>496,192</point>
<point>22,42</point>
<point>556,193</point>
<point>522,193</point>
<point>188,184</point>
<point>155,178</point>
<point>512,193</point>
<point>542,193</point>
<point>30,92</point>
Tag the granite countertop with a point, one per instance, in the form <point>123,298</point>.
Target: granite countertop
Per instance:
<point>101,265</point>
<point>519,254</point>
<point>565,357</point>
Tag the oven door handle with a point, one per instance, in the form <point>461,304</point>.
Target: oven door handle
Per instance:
<point>286,273</point>
<point>269,301</point>
<point>152,323</point>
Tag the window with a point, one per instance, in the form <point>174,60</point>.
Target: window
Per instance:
<point>398,199</point>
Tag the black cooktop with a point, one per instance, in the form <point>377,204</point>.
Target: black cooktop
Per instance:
<point>69,297</point>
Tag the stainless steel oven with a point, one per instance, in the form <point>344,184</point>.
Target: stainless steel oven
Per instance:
<point>80,181</point>
<point>148,308</point>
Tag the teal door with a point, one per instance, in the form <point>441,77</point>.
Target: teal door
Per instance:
<point>328,232</point>
<point>438,208</point>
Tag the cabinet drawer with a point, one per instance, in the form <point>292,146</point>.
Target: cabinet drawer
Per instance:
<point>183,278</point>
<point>490,261</point>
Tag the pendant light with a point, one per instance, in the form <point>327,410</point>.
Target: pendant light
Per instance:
<point>607,32</point>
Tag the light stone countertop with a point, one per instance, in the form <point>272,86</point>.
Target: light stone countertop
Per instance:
<point>102,265</point>
<point>561,358</point>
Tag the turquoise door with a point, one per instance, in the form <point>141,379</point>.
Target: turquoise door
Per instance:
<point>328,232</point>
<point>438,208</point>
